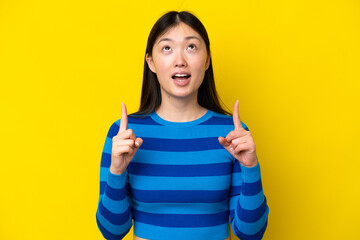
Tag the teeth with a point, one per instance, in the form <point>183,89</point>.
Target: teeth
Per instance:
<point>181,75</point>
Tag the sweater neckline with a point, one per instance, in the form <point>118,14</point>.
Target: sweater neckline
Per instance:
<point>162,121</point>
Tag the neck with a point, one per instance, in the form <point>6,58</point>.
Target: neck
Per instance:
<point>180,109</point>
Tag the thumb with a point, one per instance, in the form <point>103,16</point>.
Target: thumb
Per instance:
<point>138,142</point>
<point>224,142</point>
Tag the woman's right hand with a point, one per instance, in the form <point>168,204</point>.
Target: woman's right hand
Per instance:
<point>124,146</point>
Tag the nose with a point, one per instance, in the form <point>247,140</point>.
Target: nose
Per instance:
<point>180,60</point>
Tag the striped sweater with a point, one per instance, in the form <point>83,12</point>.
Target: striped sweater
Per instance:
<point>181,184</point>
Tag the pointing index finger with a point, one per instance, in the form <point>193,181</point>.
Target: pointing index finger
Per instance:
<point>124,119</point>
<point>236,117</point>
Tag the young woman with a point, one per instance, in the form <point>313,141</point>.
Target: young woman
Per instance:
<point>181,167</point>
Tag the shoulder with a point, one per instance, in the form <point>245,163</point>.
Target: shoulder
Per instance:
<point>141,120</point>
<point>114,129</point>
<point>222,120</point>
<point>133,121</point>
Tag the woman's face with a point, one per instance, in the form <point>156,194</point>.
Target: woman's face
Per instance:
<point>179,59</point>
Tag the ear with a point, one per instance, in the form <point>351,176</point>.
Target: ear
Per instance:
<point>207,64</point>
<point>150,63</point>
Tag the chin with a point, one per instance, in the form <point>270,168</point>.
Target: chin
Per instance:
<point>183,95</point>
<point>179,93</point>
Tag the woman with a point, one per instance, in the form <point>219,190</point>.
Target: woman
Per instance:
<point>165,167</point>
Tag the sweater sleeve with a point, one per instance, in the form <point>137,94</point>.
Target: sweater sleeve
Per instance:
<point>248,208</point>
<point>113,215</point>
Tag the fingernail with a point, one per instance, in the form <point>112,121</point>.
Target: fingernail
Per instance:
<point>137,144</point>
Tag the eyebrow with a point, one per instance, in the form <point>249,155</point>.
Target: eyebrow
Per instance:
<point>186,38</point>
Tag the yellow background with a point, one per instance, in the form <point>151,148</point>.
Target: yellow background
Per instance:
<point>66,66</point>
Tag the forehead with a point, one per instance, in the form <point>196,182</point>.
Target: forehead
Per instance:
<point>179,33</point>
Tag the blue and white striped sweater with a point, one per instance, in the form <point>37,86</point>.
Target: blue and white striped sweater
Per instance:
<point>181,184</point>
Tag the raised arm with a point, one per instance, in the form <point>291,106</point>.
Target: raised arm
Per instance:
<point>113,215</point>
<point>248,208</point>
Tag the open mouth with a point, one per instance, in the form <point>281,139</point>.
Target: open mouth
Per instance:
<point>181,76</point>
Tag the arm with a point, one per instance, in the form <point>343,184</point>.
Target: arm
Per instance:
<point>248,208</point>
<point>113,215</point>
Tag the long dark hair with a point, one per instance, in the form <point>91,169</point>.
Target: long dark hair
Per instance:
<point>151,94</point>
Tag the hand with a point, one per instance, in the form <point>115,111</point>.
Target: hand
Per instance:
<point>239,142</point>
<point>124,146</point>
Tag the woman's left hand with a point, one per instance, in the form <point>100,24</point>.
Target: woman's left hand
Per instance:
<point>239,142</point>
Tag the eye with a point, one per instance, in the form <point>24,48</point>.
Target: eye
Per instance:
<point>166,47</point>
<point>193,46</point>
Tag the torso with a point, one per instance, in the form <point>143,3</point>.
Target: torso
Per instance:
<point>146,177</point>
<point>139,238</point>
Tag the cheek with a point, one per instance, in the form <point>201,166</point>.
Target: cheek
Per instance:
<point>198,71</point>
<point>161,68</point>
<point>199,64</point>
<point>162,63</point>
